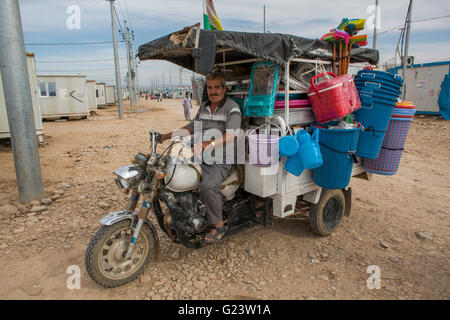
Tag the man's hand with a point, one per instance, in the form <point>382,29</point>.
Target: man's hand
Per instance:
<point>164,137</point>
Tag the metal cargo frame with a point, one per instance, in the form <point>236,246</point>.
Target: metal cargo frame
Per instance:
<point>283,187</point>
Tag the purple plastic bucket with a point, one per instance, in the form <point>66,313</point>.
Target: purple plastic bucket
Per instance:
<point>263,149</point>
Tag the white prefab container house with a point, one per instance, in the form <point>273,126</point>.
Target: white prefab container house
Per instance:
<point>110,94</point>
<point>100,94</point>
<point>125,94</point>
<point>92,99</point>
<point>423,85</point>
<point>4,126</point>
<point>63,96</point>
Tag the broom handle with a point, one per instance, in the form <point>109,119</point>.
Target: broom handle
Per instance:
<point>340,58</point>
<point>334,58</point>
<point>349,53</point>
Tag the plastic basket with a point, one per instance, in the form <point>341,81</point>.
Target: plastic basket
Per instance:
<point>333,98</point>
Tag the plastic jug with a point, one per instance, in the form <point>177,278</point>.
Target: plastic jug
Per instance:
<point>288,146</point>
<point>309,149</point>
<point>294,164</point>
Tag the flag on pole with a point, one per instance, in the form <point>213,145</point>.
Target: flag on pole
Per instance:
<point>210,18</point>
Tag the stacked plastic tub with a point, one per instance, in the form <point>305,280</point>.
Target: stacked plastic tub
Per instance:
<point>378,92</point>
<point>391,151</point>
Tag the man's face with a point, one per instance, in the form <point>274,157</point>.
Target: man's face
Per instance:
<point>216,92</point>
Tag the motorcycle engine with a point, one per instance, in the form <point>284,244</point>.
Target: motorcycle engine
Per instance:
<point>190,203</point>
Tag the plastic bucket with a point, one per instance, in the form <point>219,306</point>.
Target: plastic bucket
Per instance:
<point>369,96</point>
<point>375,119</point>
<point>380,77</point>
<point>391,152</point>
<point>394,141</point>
<point>384,87</point>
<point>337,147</point>
<point>263,149</point>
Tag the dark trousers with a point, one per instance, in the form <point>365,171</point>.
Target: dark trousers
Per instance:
<point>210,190</point>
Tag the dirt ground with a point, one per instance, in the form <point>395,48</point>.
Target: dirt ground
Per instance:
<point>399,223</point>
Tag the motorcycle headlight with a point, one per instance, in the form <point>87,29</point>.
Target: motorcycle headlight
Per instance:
<point>127,176</point>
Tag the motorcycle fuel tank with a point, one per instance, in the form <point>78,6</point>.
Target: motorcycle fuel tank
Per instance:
<point>183,177</point>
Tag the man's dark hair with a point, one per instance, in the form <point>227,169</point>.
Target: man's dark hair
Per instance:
<point>187,92</point>
<point>216,74</point>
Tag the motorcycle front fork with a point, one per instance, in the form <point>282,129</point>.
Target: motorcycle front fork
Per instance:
<point>142,216</point>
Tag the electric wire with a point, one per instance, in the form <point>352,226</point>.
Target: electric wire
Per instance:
<point>69,43</point>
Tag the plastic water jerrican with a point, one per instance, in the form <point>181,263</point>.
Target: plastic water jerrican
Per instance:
<point>309,149</point>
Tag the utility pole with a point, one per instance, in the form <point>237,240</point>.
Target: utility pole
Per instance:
<point>181,77</point>
<point>126,38</point>
<point>116,60</point>
<point>375,26</point>
<point>137,78</point>
<point>405,54</point>
<point>19,106</point>
<point>264,10</point>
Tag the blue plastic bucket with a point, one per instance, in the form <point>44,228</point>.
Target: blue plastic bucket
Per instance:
<point>375,119</point>
<point>337,147</point>
<point>383,87</point>
<point>381,77</point>
<point>369,97</point>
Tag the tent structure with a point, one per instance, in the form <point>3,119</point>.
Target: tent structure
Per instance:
<point>231,47</point>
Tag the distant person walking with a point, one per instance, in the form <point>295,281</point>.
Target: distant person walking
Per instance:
<point>187,107</point>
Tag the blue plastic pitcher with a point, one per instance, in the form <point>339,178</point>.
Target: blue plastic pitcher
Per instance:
<point>309,149</point>
<point>287,146</point>
<point>294,164</point>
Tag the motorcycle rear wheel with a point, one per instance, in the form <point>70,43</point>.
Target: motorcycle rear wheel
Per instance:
<point>105,255</point>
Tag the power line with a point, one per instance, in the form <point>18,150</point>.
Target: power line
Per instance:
<point>68,43</point>
<point>412,21</point>
<point>78,61</point>
<point>118,20</point>
<point>428,19</point>
<point>82,70</point>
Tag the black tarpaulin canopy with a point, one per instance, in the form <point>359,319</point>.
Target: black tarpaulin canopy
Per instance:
<point>232,46</point>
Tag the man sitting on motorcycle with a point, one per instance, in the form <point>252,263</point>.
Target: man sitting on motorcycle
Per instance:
<point>222,113</point>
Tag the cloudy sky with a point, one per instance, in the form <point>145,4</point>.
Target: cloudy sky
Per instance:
<point>45,22</point>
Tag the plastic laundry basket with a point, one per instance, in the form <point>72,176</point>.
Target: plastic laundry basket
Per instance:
<point>391,151</point>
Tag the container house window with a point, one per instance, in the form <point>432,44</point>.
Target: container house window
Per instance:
<point>52,89</point>
<point>47,89</point>
<point>43,89</point>
<point>96,92</point>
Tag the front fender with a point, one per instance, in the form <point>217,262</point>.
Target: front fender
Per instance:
<point>117,216</point>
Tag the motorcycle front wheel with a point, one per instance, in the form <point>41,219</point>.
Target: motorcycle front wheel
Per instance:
<point>105,255</point>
